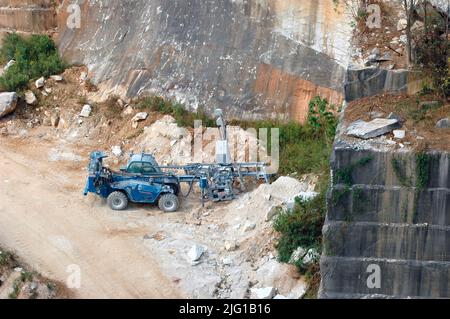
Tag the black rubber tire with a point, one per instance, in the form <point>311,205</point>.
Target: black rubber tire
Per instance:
<point>169,203</point>
<point>117,201</point>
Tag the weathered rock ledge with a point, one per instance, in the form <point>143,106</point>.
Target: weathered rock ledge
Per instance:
<point>389,208</point>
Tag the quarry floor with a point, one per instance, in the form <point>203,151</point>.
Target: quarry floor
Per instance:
<point>45,219</point>
<point>139,253</point>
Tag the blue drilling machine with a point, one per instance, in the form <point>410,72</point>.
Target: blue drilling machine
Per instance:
<point>144,181</point>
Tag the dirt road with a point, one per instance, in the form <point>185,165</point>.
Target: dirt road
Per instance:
<point>46,220</point>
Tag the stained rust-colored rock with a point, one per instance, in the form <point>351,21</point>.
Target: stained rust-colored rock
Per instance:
<point>256,59</point>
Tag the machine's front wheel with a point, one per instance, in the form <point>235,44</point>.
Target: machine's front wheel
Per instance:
<point>169,203</point>
<point>117,201</point>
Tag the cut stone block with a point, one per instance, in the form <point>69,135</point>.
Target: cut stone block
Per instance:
<point>375,128</point>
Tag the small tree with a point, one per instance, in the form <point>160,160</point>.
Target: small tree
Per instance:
<point>410,7</point>
<point>432,49</point>
<point>357,8</point>
<point>322,119</point>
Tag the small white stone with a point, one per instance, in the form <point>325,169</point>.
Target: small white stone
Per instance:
<point>9,64</point>
<point>402,24</point>
<point>128,110</point>
<point>230,246</point>
<point>40,82</point>
<point>263,293</point>
<point>298,254</point>
<point>86,111</point>
<point>140,117</point>
<point>399,134</point>
<point>30,98</point>
<point>83,76</point>
<point>116,150</point>
<point>280,297</point>
<point>403,38</point>
<point>249,226</point>
<point>57,78</point>
<point>196,252</point>
<point>227,261</point>
<point>311,256</point>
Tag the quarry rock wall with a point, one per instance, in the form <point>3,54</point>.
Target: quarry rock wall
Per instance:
<point>254,58</point>
<point>394,214</point>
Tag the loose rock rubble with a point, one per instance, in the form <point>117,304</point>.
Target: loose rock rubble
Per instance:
<point>18,282</point>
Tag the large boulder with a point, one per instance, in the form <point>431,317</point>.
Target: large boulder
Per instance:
<point>8,103</point>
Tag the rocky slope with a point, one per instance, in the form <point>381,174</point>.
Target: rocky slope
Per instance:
<point>17,282</point>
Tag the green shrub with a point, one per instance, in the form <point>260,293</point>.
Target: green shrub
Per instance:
<point>432,51</point>
<point>26,276</point>
<point>35,57</point>
<point>321,118</point>
<point>398,166</point>
<point>426,89</point>
<point>306,149</point>
<point>301,227</point>
<point>422,169</point>
<point>14,294</point>
<point>5,258</point>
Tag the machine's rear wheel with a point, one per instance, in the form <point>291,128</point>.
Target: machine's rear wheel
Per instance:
<point>117,201</point>
<point>169,203</point>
